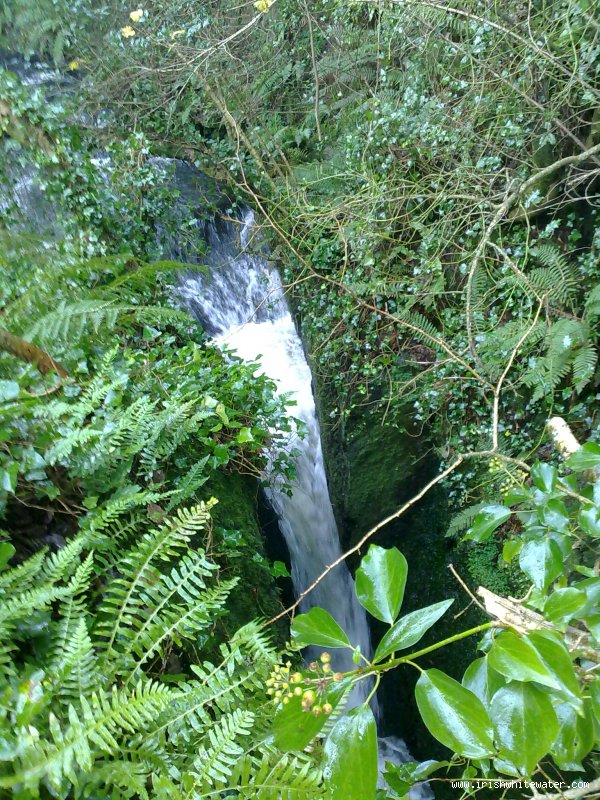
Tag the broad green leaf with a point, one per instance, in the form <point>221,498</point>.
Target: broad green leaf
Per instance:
<point>539,657</point>
<point>318,627</point>
<point>511,548</point>
<point>400,777</point>
<point>486,522</point>
<point>557,658</point>
<point>410,629</point>
<point>7,551</point>
<point>575,737</point>
<point>525,725</point>
<point>380,582</point>
<point>294,728</point>
<point>351,756</point>
<point>589,520</point>
<point>244,435</point>
<point>544,476</point>
<point>563,604</point>
<point>482,680</point>
<point>454,715</point>
<point>8,390</point>
<point>516,658</point>
<point>541,560</point>
<point>587,457</point>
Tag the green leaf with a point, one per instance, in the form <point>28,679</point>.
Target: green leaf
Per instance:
<point>536,657</point>
<point>510,549</point>
<point>454,715</point>
<point>544,476</point>
<point>541,560</point>
<point>8,390</point>
<point>351,756</point>
<point>318,627</point>
<point>7,551</point>
<point>587,457</point>
<point>8,478</point>
<point>482,680</point>
<point>525,724</point>
<point>575,736</point>
<point>244,435</point>
<point>409,629</point>
<point>589,520</point>
<point>380,582</point>
<point>563,604</point>
<point>400,777</point>
<point>294,728</point>
<point>554,654</point>
<point>486,522</point>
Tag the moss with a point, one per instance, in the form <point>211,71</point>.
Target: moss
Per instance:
<point>238,542</point>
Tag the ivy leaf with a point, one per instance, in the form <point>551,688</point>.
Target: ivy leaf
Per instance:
<point>318,627</point>
<point>544,476</point>
<point>587,457</point>
<point>244,435</point>
<point>351,756</point>
<point>380,582</point>
<point>400,777</point>
<point>486,522</point>
<point>563,604</point>
<point>482,680</point>
<point>453,715</point>
<point>410,629</point>
<point>589,520</point>
<point>525,724</point>
<point>575,737</point>
<point>554,654</point>
<point>537,657</point>
<point>541,560</point>
<point>294,728</point>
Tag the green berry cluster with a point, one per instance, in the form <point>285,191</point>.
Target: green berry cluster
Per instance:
<point>283,684</point>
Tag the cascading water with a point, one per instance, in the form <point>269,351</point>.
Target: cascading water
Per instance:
<point>241,304</point>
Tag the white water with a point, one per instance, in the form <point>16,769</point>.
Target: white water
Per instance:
<point>242,305</point>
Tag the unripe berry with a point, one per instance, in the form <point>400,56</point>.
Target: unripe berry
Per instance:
<point>327,708</point>
<point>298,691</point>
<point>337,677</point>
<point>309,697</point>
<point>316,710</point>
<point>296,677</point>
<point>325,658</point>
<point>327,667</point>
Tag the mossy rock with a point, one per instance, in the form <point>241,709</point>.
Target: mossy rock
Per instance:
<point>238,543</point>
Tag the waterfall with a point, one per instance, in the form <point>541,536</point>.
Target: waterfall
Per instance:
<point>240,303</point>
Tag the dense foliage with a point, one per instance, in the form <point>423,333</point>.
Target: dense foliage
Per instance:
<point>427,176</point>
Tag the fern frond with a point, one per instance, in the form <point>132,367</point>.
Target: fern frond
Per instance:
<point>124,598</point>
<point>221,751</point>
<point>291,777</point>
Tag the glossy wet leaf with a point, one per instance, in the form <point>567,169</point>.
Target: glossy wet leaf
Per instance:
<point>294,728</point>
<point>525,725</point>
<point>454,715</point>
<point>380,582</point>
<point>400,777</point>
<point>481,679</point>
<point>318,627</point>
<point>351,756</point>
<point>575,736</point>
<point>517,659</point>
<point>563,604</point>
<point>541,560</point>
<point>486,522</point>
<point>544,476</point>
<point>410,629</point>
<point>587,457</point>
